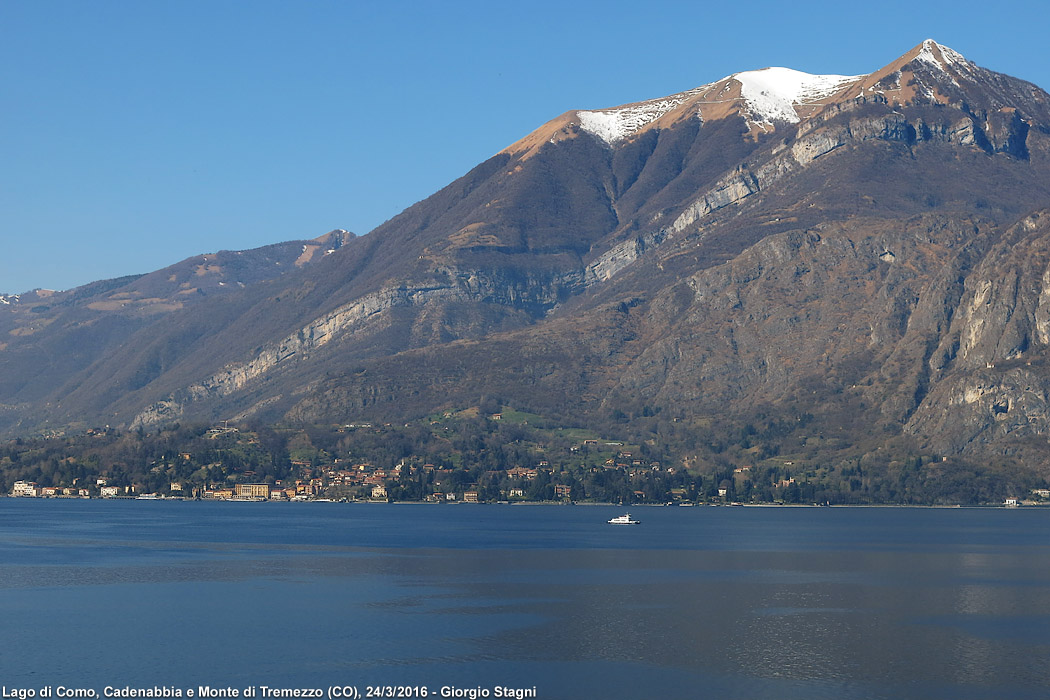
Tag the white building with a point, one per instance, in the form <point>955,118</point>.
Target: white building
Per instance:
<point>28,489</point>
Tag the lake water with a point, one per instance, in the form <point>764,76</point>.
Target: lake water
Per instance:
<point>780,603</point>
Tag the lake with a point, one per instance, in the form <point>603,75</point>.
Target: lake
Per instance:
<point>524,601</point>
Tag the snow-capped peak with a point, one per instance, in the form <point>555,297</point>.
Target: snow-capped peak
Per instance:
<point>940,56</point>
<point>773,93</point>
<point>763,97</point>
<point>770,94</point>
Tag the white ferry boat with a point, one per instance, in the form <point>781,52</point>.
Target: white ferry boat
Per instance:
<point>624,519</point>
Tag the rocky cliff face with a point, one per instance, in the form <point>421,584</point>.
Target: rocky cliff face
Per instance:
<point>990,383</point>
<point>530,293</point>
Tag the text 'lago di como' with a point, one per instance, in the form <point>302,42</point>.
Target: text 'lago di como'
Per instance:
<point>335,692</point>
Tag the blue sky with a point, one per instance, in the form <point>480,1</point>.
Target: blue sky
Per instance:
<point>136,134</point>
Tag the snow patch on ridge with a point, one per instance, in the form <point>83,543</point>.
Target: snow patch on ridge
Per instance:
<point>612,125</point>
<point>772,93</point>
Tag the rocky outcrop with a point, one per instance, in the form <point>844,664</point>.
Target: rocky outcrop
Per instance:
<point>619,257</point>
<point>989,366</point>
<point>824,303</point>
<point>729,190</point>
<point>994,410</point>
<point>509,289</point>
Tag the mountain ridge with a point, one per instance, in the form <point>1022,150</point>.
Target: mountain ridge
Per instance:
<point>767,95</point>
<point>692,258</point>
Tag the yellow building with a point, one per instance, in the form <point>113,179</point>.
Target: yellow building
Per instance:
<point>253,490</point>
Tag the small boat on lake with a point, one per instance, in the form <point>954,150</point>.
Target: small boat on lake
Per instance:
<point>624,519</point>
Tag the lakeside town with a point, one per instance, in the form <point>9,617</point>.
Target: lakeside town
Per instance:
<point>480,457</point>
<point>378,494</point>
<point>366,482</point>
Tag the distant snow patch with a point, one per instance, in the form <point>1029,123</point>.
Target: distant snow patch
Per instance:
<point>612,125</point>
<point>772,93</point>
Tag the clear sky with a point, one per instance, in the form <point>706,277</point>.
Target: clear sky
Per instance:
<point>138,133</point>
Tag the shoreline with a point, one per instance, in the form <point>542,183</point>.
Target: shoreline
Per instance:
<point>559,504</point>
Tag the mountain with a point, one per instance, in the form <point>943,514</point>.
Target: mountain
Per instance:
<point>859,259</point>
<point>52,340</point>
